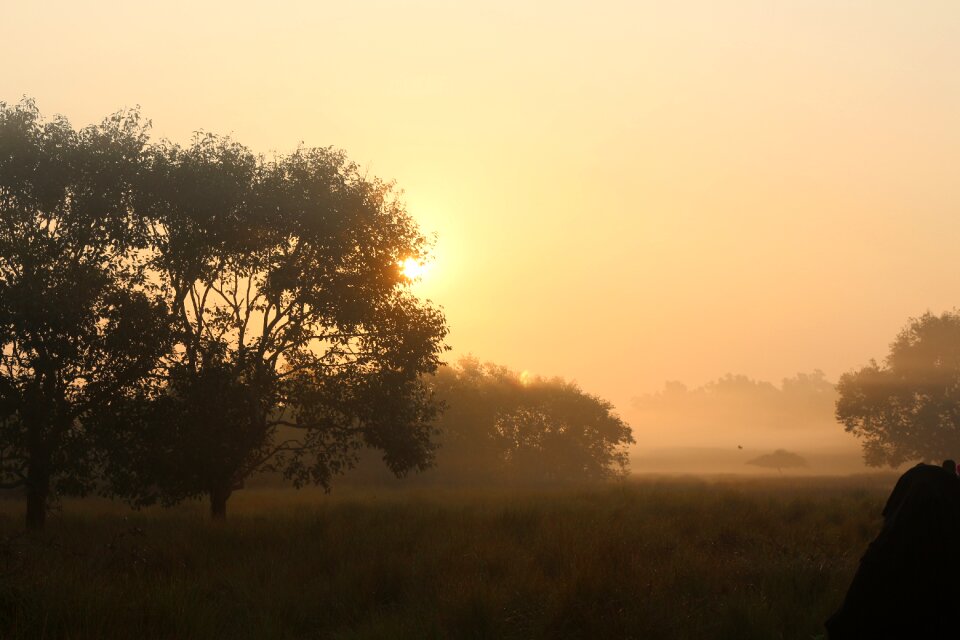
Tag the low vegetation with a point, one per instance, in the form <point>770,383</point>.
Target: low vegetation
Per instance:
<point>637,559</point>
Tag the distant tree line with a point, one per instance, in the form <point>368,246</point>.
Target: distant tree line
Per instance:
<point>903,409</point>
<point>804,400</point>
<point>166,309</point>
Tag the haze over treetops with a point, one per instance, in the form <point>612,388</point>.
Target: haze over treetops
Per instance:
<point>623,193</point>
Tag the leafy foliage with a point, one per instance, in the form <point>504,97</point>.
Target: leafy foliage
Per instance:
<point>80,325</point>
<point>291,311</point>
<point>908,408</point>
<point>500,426</point>
<point>165,309</point>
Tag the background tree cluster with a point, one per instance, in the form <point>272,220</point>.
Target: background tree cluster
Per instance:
<point>165,310</point>
<point>501,427</point>
<point>804,400</point>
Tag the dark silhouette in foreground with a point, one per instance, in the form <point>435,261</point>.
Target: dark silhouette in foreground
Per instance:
<point>906,585</point>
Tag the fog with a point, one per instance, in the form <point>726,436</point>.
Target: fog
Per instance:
<point>720,426</point>
<point>501,319</point>
<point>624,196</point>
<point>621,196</point>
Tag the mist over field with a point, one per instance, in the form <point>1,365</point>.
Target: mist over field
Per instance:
<point>719,427</point>
<point>425,319</point>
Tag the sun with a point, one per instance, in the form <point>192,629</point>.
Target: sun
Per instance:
<point>413,269</point>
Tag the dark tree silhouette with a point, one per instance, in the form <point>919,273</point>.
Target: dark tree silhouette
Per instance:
<point>779,460</point>
<point>79,325</point>
<point>299,341</point>
<point>908,408</point>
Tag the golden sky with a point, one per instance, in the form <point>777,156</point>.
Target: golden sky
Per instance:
<point>623,192</point>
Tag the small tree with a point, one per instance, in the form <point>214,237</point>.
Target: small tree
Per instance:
<point>80,326</point>
<point>498,425</point>
<point>779,460</point>
<point>908,408</point>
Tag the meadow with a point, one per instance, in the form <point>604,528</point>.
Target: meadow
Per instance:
<point>645,558</point>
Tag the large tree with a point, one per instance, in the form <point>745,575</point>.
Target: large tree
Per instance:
<point>298,338</point>
<point>908,408</point>
<point>80,326</point>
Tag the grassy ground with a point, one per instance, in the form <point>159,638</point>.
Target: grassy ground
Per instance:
<point>646,559</point>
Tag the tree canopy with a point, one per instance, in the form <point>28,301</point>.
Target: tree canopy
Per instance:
<point>290,310</point>
<point>908,407</point>
<point>165,309</point>
<point>80,325</point>
<point>501,426</point>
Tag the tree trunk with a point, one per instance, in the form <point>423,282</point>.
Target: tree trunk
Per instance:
<point>218,504</point>
<point>37,420</point>
<point>38,490</point>
<point>36,508</point>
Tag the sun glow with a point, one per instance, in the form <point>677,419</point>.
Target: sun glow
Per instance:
<point>413,269</point>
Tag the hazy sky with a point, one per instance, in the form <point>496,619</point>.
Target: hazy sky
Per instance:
<point>624,192</point>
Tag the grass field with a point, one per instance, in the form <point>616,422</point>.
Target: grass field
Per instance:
<point>643,559</point>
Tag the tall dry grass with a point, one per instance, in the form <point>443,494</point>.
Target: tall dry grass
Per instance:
<point>650,559</point>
